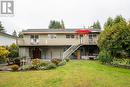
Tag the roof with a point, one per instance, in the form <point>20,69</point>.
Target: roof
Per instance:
<point>54,30</point>
<point>7,35</point>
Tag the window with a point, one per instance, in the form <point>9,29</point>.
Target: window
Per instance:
<point>90,36</point>
<point>94,35</point>
<point>72,36</point>
<point>34,38</point>
<point>51,36</point>
<point>69,36</point>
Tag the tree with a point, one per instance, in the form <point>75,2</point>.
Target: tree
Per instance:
<point>96,25</point>
<point>20,35</point>
<point>13,51</point>
<point>115,39</point>
<point>55,25</point>
<point>109,23</point>
<point>1,27</point>
<point>14,33</point>
<point>62,24</point>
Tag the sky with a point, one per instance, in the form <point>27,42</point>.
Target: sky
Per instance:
<point>35,14</point>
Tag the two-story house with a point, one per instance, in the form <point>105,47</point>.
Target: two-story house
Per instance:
<point>58,43</point>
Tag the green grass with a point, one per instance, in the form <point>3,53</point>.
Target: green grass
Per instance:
<point>74,74</point>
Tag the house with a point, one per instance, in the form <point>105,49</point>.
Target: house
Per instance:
<point>58,43</point>
<point>7,39</point>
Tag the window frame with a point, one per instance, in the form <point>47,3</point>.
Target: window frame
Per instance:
<point>52,36</point>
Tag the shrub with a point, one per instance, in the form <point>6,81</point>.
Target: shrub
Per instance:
<point>67,59</point>
<point>17,62</point>
<point>43,64</point>
<point>56,61</point>
<point>14,67</point>
<point>3,52</point>
<point>35,62</point>
<point>3,60</point>
<point>105,57</point>
<point>128,61</point>
<point>50,66</point>
<point>13,54</point>
<point>62,63</point>
<point>34,67</point>
<point>26,67</point>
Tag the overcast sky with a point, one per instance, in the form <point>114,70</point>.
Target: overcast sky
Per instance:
<point>75,13</point>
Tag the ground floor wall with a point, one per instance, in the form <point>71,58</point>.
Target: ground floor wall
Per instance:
<point>42,52</point>
<point>86,52</point>
<point>24,51</point>
<point>49,52</point>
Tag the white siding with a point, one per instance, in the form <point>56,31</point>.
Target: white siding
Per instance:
<point>6,41</point>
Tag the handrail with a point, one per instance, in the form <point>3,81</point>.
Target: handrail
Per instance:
<point>70,50</point>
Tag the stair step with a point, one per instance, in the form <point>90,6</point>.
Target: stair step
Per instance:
<point>70,50</point>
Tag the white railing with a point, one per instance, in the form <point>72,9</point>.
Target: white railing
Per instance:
<point>70,50</point>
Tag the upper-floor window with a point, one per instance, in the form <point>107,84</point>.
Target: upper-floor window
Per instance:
<point>91,36</point>
<point>69,36</point>
<point>51,36</point>
<point>34,38</point>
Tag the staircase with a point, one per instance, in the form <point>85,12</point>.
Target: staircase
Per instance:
<point>70,50</point>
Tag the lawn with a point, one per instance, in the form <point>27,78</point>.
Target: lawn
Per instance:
<point>81,73</point>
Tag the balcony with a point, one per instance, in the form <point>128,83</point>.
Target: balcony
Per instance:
<point>59,41</point>
<point>40,42</point>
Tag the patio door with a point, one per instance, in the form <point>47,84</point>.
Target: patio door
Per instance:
<point>36,53</point>
<point>81,39</point>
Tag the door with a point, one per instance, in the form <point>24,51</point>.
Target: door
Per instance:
<point>81,39</point>
<point>36,53</point>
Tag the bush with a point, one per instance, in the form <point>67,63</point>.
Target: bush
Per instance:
<point>3,52</point>
<point>3,60</point>
<point>128,62</point>
<point>35,62</point>
<point>26,67</point>
<point>13,54</point>
<point>17,62</point>
<point>43,64</point>
<point>50,66</point>
<point>14,67</point>
<point>62,63</point>
<point>67,59</point>
<point>34,67</point>
<point>56,61</point>
<point>105,57</point>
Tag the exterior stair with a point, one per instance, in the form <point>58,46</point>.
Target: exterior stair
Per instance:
<point>70,50</point>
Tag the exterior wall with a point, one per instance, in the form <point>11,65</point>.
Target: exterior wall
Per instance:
<point>54,47</point>
<point>6,41</point>
<point>59,40</point>
<point>23,51</point>
<point>57,51</point>
<point>86,51</point>
<point>49,52</point>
